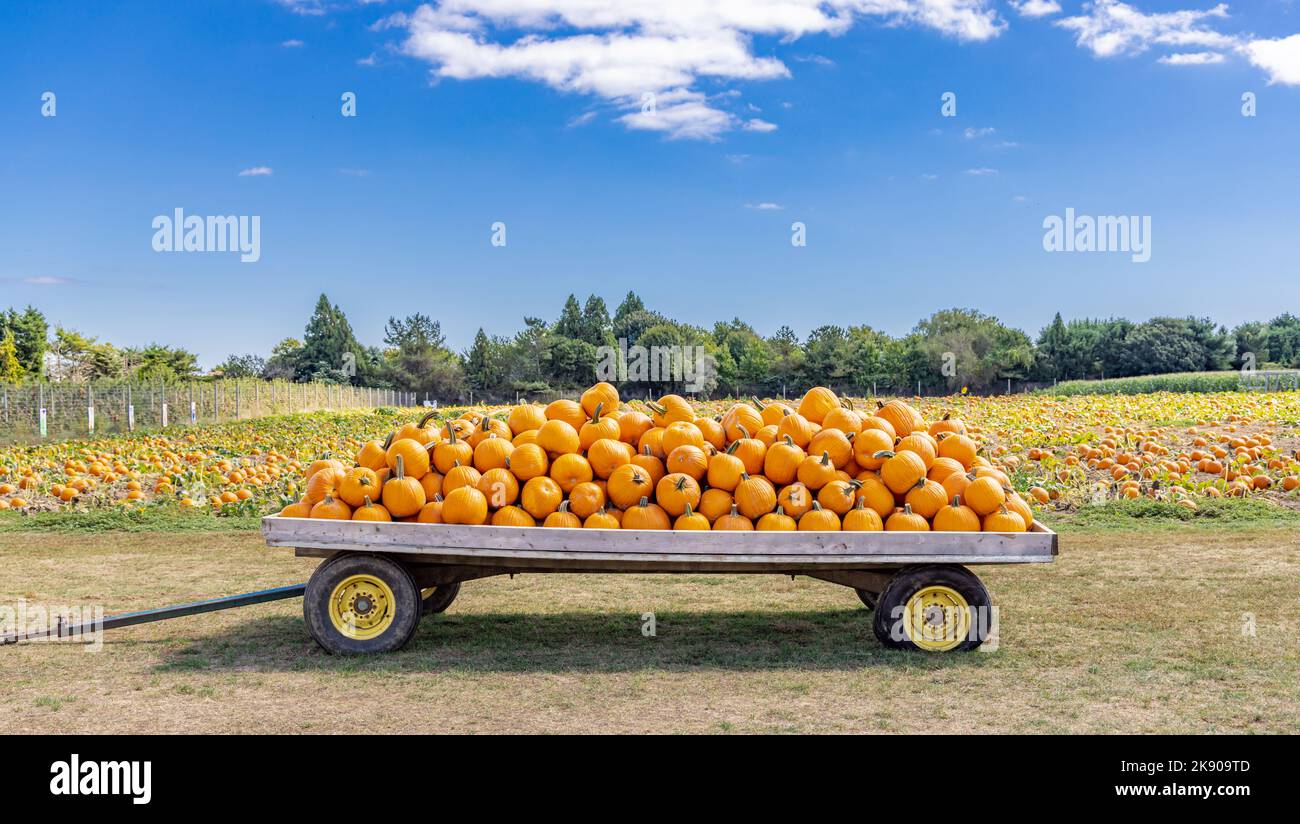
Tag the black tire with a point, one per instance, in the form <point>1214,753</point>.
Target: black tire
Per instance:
<point>893,631</point>
<point>399,617</point>
<point>440,597</point>
<point>869,599</point>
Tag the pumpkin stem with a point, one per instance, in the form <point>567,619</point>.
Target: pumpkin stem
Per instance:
<point>743,430</point>
<point>731,450</point>
<point>757,402</point>
<point>645,501</point>
<point>920,483</point>
<point>884,453</point>
<point>401,467</point>
<point>425,420</point>
<point>451,433</point>
<point>367,499</point>
<point>956,501</point>
<point>389,440</point>
<point>595,416</point>
<point>681,483</point>
<point>826,458</point>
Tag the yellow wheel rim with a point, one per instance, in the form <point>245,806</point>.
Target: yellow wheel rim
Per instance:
<point>361,607</point>
<point>937,619</point>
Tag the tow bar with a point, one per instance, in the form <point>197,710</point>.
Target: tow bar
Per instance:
<point>61,630</point>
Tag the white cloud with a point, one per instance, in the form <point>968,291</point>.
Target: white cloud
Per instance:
<point>1035,8</point>
<point>928,177</point>
<point>48,280</point>
<point>982,172</point>
<point>292,44</point>
<point>1192,58</point>
<point>622,50</point>
<point>765,206</point>
<point>983,131</point>
<point>1109,28</point>
<point>758,124</point>
<point>582,119</point>
<point>256,171</point>
<point>1279,58</point>
<point>355,172</point>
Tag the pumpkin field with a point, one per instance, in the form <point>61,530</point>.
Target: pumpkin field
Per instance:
<point>1179,452</point>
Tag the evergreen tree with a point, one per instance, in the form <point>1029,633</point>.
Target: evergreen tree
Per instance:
<point>330,351</point>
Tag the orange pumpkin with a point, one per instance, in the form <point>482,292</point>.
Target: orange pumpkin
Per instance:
<point>956,517</point>
<point>733,521</point>
<point>645,515</point>
<point>627,485</point>
<point>755,496</point>
<point>558,437</point>
<point>465,505</point>
<point>862,518</point>
<point>905,520</point>
<point>602,395</point>
<point>676,492</point>
<point>817,403</point>
<point>901,470</point>
<point>563,518</point>
<point>541,496</point>
<point>776,521</point>
<point>331,509</point>
<point>402,495</point>
<point>690,519</point>
<point>819,520</point>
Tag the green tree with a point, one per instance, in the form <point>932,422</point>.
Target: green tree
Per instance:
<point>30,330</point>
<point>330,351</point>
<point>11,371</point>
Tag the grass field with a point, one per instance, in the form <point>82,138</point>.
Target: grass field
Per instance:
<point>1130,631</point>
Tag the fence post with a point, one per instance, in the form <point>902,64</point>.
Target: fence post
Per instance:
<point>41,416</point>
<point>130,411</point>
<point>90,410</point>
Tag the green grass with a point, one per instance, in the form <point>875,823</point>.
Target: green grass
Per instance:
<point>1149,515</point>
<point>153,519</point>
<point>1143,384</point>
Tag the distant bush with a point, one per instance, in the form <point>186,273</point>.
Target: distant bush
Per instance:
<point>1174,382</point>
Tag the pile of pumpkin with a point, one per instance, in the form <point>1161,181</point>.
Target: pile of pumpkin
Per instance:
<point>599,463</point>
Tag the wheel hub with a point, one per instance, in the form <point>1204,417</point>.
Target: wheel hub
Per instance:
<point>361,607</point>
<point>938,618</point>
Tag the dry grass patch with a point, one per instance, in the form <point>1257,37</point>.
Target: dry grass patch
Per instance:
<point>1135,632</point>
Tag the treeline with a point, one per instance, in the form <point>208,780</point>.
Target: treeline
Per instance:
<point>949,350</point>
<point>29,351</point>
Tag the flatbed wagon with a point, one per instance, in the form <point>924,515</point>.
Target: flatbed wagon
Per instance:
<point>378,579</point>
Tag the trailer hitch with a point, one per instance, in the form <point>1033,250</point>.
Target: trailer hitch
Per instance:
<point>61,630</point>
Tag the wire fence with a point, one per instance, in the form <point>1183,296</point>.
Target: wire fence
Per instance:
<point>36,411</point>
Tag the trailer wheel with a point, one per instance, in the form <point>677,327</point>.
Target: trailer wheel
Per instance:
<point>869,599</point>
<point>358,604</point>
<point>932,608</point>
<point>437,599</point>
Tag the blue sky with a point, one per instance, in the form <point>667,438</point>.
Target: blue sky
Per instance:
<point>476,111</point>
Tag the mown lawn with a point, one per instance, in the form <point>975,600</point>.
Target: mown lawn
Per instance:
<point>1129,631</point>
